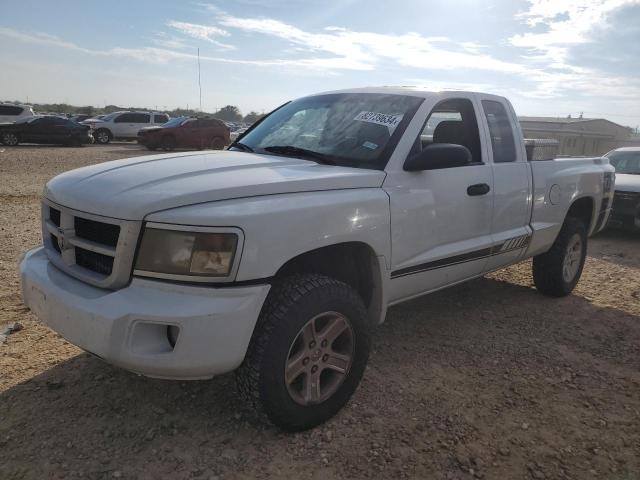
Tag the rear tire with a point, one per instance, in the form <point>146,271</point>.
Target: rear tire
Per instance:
<point>102,136</point>
<point>10,139</point>
<point>293,331</point>
<point>557,272</point>
<point>168,143</point>
<point>216,144</point>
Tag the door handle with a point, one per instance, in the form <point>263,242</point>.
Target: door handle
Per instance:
<point>478,189</point>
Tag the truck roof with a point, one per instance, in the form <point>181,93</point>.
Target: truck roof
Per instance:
<point>403,90</point>
<point>626,149</point>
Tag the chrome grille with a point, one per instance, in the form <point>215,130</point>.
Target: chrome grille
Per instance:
<point>95,249</point>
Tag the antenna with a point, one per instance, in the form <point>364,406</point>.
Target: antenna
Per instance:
<point>199,84</point>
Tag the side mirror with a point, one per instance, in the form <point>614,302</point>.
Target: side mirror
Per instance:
<point>437,156</point>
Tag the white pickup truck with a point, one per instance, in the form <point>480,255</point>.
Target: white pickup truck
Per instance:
<point>279,255</point>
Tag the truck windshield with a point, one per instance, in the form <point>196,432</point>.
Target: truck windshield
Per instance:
<point>348,129</point>
<point>625,162</point>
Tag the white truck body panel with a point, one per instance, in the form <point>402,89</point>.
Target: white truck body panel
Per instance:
<point>133,188</point>
<point>424,230</point>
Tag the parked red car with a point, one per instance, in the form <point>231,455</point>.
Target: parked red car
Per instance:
<point>186,132</point>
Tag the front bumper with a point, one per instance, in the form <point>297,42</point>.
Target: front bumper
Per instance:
<point>626,210</point>
<point>129,327</point>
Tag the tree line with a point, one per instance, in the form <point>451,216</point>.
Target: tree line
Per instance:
<point>230,113</point>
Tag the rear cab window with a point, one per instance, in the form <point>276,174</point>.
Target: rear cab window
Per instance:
<point>502,141</point>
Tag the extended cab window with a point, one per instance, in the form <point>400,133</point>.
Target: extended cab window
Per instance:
<point>451,121</point>
<point>502,143</point>
<point>160,118</point>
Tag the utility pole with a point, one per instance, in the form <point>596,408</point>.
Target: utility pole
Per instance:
<point>199,84</point>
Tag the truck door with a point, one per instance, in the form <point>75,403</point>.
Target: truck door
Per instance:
<point>441,218</point>
<point>511,179</point>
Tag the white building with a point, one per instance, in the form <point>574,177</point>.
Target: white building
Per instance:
<point>580,136</point>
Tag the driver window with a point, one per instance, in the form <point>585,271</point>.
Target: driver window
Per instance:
<point>451,121</point>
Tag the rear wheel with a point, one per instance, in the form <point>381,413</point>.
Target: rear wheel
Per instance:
<point>102,136</point>
<point>557,272</point>
<point>216,144</point>
<point>168,143</point>
<point>10,139</point>
<point>308,352</point>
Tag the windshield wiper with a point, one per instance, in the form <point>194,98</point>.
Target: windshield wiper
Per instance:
<point>290,150</point>
<point>242,146</point>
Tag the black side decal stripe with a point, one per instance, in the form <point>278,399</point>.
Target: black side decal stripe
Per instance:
<point>498,249</point>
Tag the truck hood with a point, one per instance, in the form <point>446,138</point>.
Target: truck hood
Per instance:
<point>133,188</point>
<point>627,183</point>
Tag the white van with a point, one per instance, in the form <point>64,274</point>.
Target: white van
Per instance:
<point>124,124</point>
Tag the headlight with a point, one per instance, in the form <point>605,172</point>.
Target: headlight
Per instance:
<point>196,254</point>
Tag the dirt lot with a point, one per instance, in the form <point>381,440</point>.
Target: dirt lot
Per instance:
<point>488,379</point>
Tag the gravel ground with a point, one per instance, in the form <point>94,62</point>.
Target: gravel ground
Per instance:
<point>488,379</point>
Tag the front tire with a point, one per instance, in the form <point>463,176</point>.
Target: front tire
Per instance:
<point>557,272</point>
<point>308,351</point>
<point>10,139</point>
<point>102,136</point>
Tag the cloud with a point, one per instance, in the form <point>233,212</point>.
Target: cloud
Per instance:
<point>168,41</point>
<point>564,24</point>
<point>363,50</point>
<point>145,54</point>
<point>151,55</point>
<point>202,32</point>
<point>558,27</point>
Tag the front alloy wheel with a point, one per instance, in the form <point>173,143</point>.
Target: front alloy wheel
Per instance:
<point>10,139</point>
<point>319,358</point>
<point>308,351</point>
<point>102,136</point>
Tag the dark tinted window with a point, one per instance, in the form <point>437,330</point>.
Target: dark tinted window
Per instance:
<point>210,122</point>
<point>125,118</point>
<point>502,142</point>
<point>10,110</point>
<point>59,121</point>
<point>141,118</point>
<point>161,118</point>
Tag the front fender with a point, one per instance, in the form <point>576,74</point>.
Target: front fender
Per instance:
<point>280,227</point>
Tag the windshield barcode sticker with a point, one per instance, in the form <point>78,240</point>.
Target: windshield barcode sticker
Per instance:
<point>390,121</point>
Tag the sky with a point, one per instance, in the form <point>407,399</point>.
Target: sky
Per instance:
<point>549,57</point>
